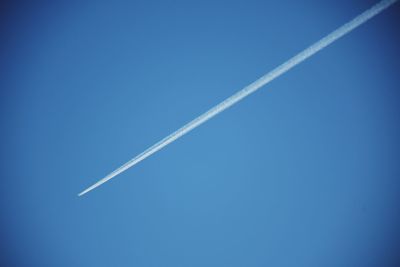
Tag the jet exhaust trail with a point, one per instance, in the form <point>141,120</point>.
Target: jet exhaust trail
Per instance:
<point>251,88</point>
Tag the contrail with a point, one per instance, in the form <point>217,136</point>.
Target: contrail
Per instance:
<point>251,88</point>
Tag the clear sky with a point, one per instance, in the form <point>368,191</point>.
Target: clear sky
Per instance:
<point>302,173</point>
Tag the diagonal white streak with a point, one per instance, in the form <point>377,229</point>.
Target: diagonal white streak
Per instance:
<point>251,88</point>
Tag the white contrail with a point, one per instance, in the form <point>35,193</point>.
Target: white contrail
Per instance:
<point>308,52</point>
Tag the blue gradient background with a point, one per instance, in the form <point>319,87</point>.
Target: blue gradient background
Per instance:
<point>303,173</point>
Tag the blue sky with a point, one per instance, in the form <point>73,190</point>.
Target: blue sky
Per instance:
<point>302,173</point>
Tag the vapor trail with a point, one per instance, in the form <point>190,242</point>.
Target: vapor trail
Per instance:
<point>251,88</point>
